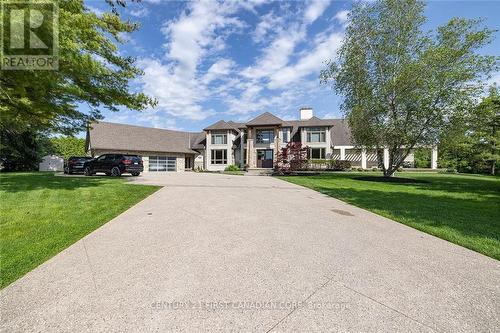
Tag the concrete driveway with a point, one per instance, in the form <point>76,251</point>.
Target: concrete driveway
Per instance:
<point>217,252</point>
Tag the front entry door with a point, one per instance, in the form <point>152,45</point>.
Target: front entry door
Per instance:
<point>264,158</point>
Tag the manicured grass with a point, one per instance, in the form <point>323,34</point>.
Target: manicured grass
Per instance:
<point>463,209</point>
<point>42,214</point>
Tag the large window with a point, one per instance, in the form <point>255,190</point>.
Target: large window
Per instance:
<point>219,138</point>
<point>219,156</point>
<point>316,134</point>
<point>317,153</point>
<point>284,135</point>
<point>265,136</point>
<point>162,163</point>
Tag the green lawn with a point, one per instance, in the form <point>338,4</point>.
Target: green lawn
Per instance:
<point>42,214</point>
<point>463,209</point>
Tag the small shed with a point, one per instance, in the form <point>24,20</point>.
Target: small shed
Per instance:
<point>51,163</point>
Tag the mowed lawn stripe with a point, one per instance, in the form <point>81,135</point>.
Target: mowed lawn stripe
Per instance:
<point>42,214</point>
<point>463,209</point>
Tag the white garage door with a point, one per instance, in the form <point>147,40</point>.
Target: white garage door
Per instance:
<point>162,163</point>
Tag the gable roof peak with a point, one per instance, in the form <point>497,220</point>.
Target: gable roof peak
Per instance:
<point>266,118</point>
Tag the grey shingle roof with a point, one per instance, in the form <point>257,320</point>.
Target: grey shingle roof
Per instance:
<point>111,136</point>
<point>199,141</point>
<point>341,134</point>
<point>265,119</point>
<point>220,125</point>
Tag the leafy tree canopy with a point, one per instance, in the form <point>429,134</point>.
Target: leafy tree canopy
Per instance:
<point>401,84</point>
<point>470,141</point>
<point>91,72</point>
<point>67,146</point>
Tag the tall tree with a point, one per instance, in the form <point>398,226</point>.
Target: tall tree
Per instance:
<point>470,141</point>
<point>485,129</point>
<point>91,72</point>
<point>67,146</point>
<point>402,84</point>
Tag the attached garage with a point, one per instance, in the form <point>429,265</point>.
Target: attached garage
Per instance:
<point>162,163</point>
<point>161,150</point>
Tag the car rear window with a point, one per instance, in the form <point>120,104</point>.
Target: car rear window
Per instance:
<point>134,158</point>
<point>80,158</point>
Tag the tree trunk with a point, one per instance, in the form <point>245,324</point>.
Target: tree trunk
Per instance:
<point>493,167</point>
<point>389,172</point>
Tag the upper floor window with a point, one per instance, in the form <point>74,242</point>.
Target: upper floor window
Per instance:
<point>219,138</point>
<point>284,135</point>
<point>316,134</point>
<point>265,136</point>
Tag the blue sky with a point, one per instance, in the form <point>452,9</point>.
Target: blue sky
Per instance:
<point>206,61</point>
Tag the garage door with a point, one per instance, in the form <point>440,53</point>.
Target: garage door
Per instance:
<point>162,163</point>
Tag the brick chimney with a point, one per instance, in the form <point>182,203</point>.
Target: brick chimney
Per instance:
<point>306,113</point>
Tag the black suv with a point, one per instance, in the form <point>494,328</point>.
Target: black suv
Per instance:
<point>114,165</point>
<point>75,164</point>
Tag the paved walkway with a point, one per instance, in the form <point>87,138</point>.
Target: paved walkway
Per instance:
<point>211,252</point>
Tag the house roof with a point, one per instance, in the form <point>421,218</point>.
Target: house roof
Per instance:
<point>265,119</point>
<point>111,136</point>
<point>341,134</point>
<point>312,122</point>
<point>220,125</point>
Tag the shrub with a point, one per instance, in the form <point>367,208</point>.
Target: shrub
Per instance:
<point>339,165</point>
<point>292,157</point>
<point>449,170</point>
<point>374,169</point>
<point>360,169</point>
<point>232,167</point>
<point>319,164</point>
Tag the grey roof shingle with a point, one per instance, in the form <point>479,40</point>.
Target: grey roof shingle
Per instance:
<point>340,133</point>
<point>220,125</point>
<point>265,119</point>
<point>111,136</point>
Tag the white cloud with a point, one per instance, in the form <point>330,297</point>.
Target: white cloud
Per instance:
<point>95,10</point>
<point>310,62</point>
<point>139,12</point>
<point>177,81</point>
<point>277,54</point>
<point>218,70</point>
<point>195,68</point>
<point>495,79</point>
<point>315,10</point>
<point>342,16</point>
<point>267,27</point>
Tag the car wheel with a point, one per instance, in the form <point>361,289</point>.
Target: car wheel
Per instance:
<point>115,172</point>
<point>87,172</point>
<point>135,174</point>
<point>65,170</point>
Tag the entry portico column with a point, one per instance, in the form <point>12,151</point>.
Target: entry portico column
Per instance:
<point>342,153</point>
<point>434,158</point>
<point>386,158</point>
<point>363,158</point>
